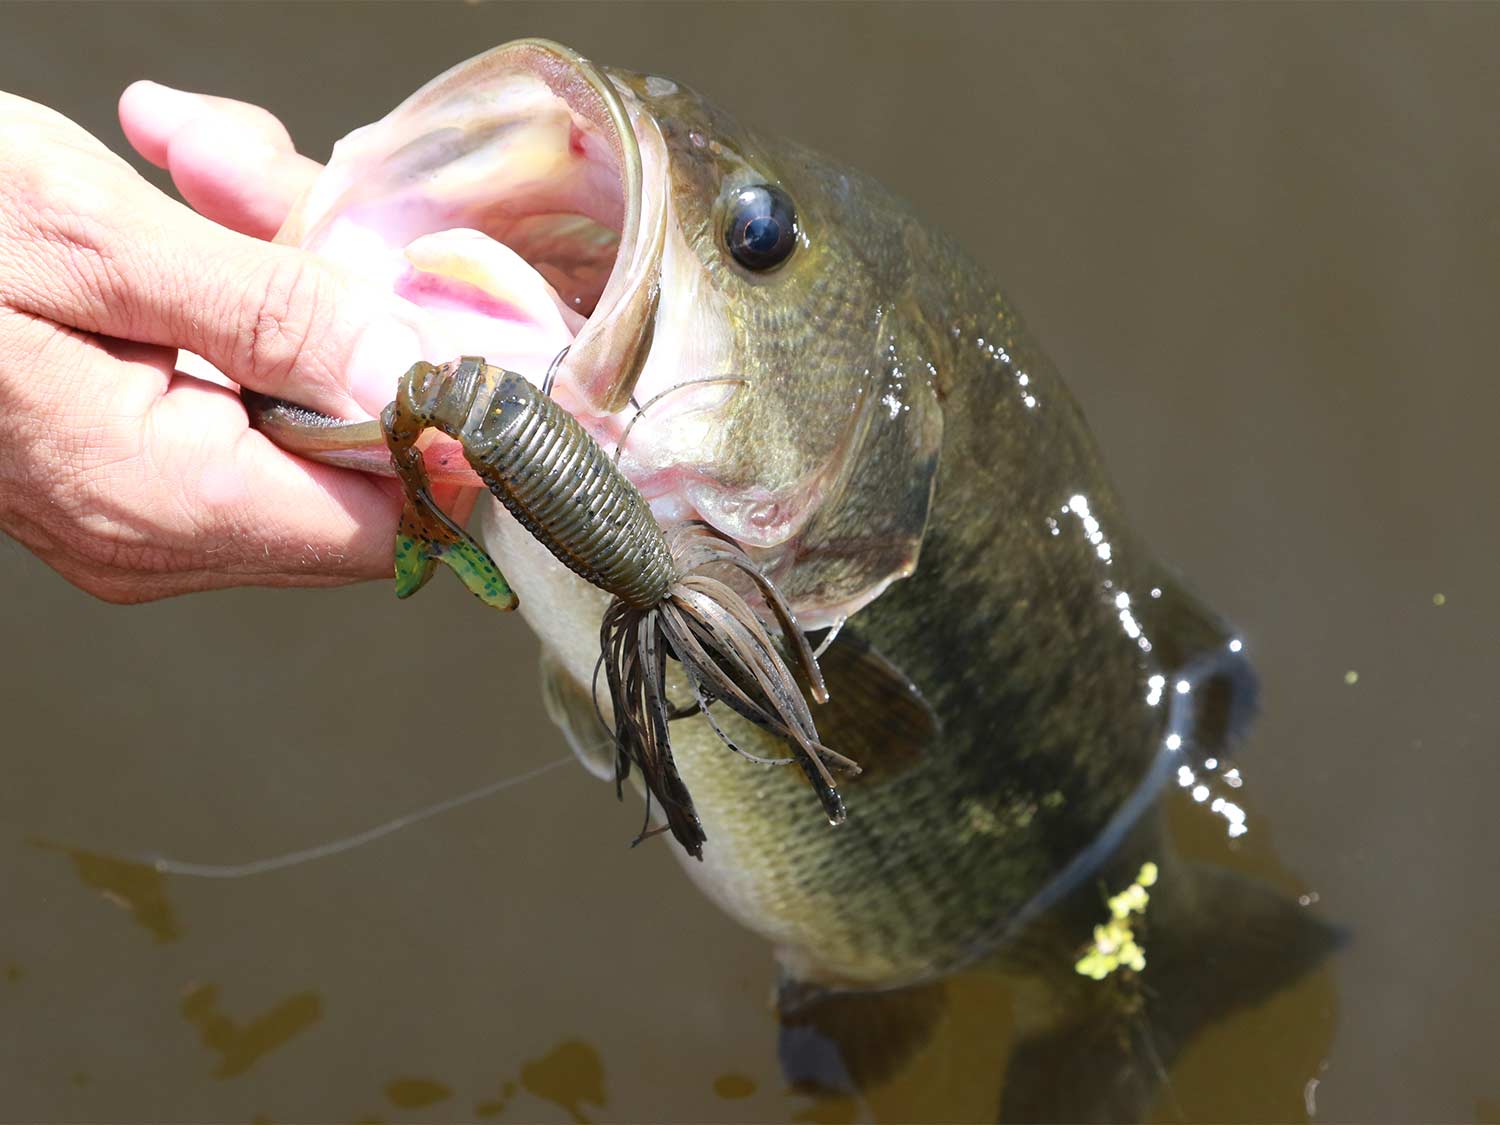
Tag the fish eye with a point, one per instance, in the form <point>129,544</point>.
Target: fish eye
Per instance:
<point>762,228</point>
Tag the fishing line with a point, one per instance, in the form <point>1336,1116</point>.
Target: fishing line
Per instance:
<point>738,380</point>
<point>551,377</point>
<point>334,847</point>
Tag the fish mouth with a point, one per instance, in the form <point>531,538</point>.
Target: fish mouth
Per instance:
<point>509,199</point>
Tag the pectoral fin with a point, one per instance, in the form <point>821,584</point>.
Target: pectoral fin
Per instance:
<point>569,706</point>
<point>874,713</point>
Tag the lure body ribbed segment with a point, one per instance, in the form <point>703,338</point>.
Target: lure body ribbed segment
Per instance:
<point>555,479</point>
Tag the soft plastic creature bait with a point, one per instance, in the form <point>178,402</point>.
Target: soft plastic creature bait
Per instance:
<point>564,489</point>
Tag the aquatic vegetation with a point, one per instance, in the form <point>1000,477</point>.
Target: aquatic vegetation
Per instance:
<point>1115,943</point>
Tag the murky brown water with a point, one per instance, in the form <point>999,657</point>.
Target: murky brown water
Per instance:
<point>1262,242</point>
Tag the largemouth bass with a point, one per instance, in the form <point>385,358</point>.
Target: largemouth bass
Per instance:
<point>1014,670</point>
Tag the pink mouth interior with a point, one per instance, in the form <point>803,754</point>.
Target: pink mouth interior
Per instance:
<point>482,298</point>
<point>437,293</point>
<point>499,217</point>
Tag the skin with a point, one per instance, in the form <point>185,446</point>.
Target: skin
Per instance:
<point>130,479</point>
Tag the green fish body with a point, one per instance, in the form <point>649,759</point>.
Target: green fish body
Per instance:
<point>1016,673</point>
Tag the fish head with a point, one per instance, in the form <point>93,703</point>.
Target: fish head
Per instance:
<point>737,316</point>
<point>803,279</point>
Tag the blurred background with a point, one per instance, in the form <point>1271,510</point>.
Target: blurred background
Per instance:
<point>1263,244</point>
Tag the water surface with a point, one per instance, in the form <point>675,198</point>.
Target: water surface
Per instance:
<point>1263,245</point>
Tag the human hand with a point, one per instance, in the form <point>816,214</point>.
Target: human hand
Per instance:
<point>135,481</point>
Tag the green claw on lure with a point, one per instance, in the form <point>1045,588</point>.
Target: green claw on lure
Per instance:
<point>417,554</point>
<point>427,536</point>
<point>423,543</point>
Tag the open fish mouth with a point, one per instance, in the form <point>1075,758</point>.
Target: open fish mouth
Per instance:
<point>509,199</point>
<point>571,224</point>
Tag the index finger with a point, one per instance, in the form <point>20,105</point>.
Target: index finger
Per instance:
<point>88,243</point>
<point>232,161</point>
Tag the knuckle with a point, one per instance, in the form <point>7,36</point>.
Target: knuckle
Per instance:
<point>261,120</point>
<point>62,196</point>
<point>52,162</point>
<point>59,224</point>
<point>287,301</point>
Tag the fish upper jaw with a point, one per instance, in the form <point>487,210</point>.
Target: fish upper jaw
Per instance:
<point>610,351</point>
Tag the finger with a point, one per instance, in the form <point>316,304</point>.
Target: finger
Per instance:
<point>152,114</point>
<point>98,248</point>
<point>270,515</point>
<point>134,500</point>
<point>232,161</point>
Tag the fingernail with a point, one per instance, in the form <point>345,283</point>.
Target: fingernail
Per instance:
<point>384,351</point>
